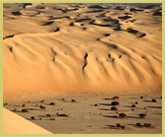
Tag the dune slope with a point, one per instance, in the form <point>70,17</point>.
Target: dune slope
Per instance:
<point>14,124</point>
<point>80,48</point>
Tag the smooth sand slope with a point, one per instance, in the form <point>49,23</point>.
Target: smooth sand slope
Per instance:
<point>50,50</point>
<point>14,124</point>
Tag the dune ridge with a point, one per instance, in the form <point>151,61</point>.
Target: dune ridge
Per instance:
<point>80,48</point>
<point>66,64</point>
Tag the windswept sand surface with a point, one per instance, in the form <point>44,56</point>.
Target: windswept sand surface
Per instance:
<point>54,50</point>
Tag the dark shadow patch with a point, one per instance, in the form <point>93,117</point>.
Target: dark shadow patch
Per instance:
<point>132,117</point>
<point>92,22</point>
<point>101,15</point>
<point>114,46</point>
<point>16,111</point>
<point>120,56</point>
<point>104,109</point>
<point>60,17</point>
<point>48,23</point>
<point>105,104</point>
<point>98,39</point>
<point>115,21</point>
<point>130,30</point>
<point>124,17</point>
<point>16,13</point>
<point>32,109</point>
<point>112,127</point>
<point>106,35</point>
<point>157,13</point>
<point>103,25</point>
<point>42,116</point>
<point>157,107</point>
<point>96,7</point>
<point>109,55</point>
<point>65,10</point>
<point>11,49</point>
<point>142,35</point>
<point>117,27</point>
<point>81,20</point>
<point>85,60</point>
<point>41,7</point>
<point>93,11</point>
<point>133,20</point>
<point>113,59</point>
<point>108,116</point>
<point>10,36</point>
<point>146,100</point>
<point>57,29</point>
<point>71,24</point>
<point>84,28</point>
<point>128,13</point>
<point>119,8</point>
<point>26,4</point>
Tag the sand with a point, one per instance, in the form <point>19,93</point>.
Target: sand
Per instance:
<point>85,117</point>
<point>14,124</point>
<point>51,51</point>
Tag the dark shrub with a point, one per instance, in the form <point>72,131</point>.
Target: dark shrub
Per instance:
<point>32,117</point>
<point>52,103</point>
<point>122,115</point>
<point>118,125</point>
<point>24,110</point>
<point>73,100</point>
<point>115,103</point>
<point>154,100</point>
<point>114,108</point>
<point>142,115</point>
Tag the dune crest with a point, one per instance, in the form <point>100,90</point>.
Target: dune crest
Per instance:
<point>80,48</point>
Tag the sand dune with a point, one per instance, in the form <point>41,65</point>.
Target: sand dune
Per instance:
<point>14,124</point>
<point>54,49</point>
<point>119,52</point>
